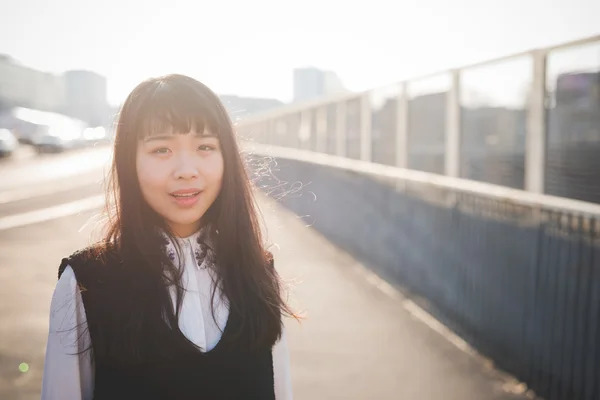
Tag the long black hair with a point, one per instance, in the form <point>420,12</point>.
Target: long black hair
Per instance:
<point>243,266</point>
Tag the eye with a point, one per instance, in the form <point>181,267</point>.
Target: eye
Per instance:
<point>160,150</point>
<point>206,147</point>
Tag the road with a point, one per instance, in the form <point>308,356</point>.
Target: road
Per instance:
<point>360,339</point>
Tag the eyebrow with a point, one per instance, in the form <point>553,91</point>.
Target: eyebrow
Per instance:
<point>153,138</point>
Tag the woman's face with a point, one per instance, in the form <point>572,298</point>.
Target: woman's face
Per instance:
<point>180,176</point>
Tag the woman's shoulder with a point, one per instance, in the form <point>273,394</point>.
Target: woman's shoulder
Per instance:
<point>97,256</point>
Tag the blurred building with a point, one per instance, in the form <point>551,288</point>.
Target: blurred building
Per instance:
<point>427,132</point>
<point>239,107</point>
<point>493,145</point>
<point>21,86</point>
<point>79,94</point>
<point>311,83</point>
<point>86,97</point>
<point>573,141</point>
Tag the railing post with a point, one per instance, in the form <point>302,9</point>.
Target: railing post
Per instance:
<point>365,128</point>
<point>453,127</point>
<point>280,129</point>
<point>535,150</point>
<point>340,126</point>
<point>321,124</point>
<point>402,127</point>
<point>304,131</point>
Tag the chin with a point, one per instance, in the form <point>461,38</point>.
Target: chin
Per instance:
<point>186,221</point>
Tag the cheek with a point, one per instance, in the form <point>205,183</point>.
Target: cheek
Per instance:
<point>149,176</point>
<point>216,172</point>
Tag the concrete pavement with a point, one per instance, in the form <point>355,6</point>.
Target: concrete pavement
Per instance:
<point>359,341</point>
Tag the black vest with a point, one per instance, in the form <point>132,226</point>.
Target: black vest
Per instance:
<point>226,372</point>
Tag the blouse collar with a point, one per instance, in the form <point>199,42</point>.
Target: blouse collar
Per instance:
<point>199,243</point>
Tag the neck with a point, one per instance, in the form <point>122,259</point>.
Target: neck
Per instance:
<point>183,232</point>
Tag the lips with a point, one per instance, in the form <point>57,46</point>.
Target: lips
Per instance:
<point>186,197</point>
<point>183,193</point>
<point>183,196</point>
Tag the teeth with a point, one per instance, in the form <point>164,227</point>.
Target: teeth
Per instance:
<point>186,195</point>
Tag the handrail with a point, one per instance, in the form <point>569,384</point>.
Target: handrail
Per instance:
<point>456,184</point>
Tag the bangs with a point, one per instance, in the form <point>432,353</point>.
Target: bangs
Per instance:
<point>175,109</point>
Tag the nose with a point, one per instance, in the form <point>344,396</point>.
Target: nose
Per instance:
<point>186,167</point>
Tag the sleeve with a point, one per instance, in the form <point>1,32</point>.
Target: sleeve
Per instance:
<point>67,374</point>
<point>281,369</point>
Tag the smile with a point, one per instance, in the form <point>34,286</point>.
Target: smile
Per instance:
<point>185,195</point>
<point>186,198</point>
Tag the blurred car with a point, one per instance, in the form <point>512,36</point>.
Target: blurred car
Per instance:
<point>8,143</point>
<point>24,132</point>
<point>59,137</point>
<point>96,136</point>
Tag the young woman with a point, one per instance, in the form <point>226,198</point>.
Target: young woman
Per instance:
<point>180,300</point>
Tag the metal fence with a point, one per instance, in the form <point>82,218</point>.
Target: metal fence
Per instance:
<point>528,121</point>
<point>515,274</point>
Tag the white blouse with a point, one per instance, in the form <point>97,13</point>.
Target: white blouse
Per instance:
<point>71,376</point>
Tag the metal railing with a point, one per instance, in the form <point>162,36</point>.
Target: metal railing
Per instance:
<point>441,183</point>
<point>516,274</point>
<point>527,121</point>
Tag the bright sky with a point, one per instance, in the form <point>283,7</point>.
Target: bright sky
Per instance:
<point>249,48</point>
